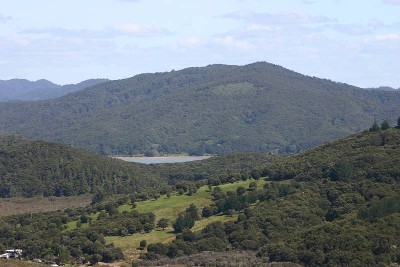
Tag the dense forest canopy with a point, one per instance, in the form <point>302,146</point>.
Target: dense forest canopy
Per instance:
<point>31,168</point>
<point>216,109</point>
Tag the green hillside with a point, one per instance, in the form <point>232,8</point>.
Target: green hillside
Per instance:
<point>337,205</point>
<point>38,168</point>
<point>215,109</point>
<point>30,168</point>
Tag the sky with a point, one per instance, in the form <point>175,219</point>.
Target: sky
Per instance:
<point>68,41</point>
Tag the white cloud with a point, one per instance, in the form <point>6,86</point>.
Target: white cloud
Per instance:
<point>186,44</point>
<point>58,32</point>
<point>277,19</point>
<point>392,2</point>
<point>191,42</point>
<point>4,19</point>
<point>386,37</point>
<point>232,42</point>
<point>358,29</point>
<point>140,29</point>
<point>130,29</point>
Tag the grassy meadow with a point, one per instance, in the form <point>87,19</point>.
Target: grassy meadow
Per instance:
<point>169,208</point>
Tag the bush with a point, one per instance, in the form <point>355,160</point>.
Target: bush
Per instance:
<point>142,244</point>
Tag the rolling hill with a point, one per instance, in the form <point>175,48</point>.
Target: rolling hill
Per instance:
<point>336,205</point>
<point>38,168</point>
<point>24,90</point>
<point>31,168</point>
<point>216,109</point>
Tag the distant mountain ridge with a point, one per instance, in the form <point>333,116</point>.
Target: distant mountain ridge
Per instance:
<point>383,88</point>
<point>216,109</point>
<point>24,90</point>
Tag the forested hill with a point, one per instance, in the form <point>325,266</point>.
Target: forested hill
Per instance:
<point>12,89</point>
<point>29,168</point>
<point>24,90</point>
<point>336,205</point>
<point>370,155</point>
<point>215,109</point>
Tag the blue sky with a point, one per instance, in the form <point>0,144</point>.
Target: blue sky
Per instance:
<point>67,41</point>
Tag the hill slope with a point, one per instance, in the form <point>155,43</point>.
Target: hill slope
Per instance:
<point>338,205</point>
<point>30,168</point>
<point>24,90</point>
<point>216,109</point>
<point>12,89</point>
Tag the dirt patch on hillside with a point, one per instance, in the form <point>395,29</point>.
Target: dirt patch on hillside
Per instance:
<point>12,206</point>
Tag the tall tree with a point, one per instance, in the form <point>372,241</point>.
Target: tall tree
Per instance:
<point>375,127</point>
<point>385,125</point>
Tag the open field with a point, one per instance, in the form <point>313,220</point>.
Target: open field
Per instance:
<point>12,206</point>
<point>164,236</point>
<point>170,208</point>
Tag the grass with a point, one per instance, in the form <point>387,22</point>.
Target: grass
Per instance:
<point>163,236</point>
<point>72,224</point>
<point>170,208</point>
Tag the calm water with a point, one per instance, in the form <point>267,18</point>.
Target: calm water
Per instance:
<point>169,159</point>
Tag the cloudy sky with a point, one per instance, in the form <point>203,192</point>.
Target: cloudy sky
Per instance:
<point>67,41</point>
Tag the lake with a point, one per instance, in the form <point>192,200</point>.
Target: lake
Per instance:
<point>158,160</point>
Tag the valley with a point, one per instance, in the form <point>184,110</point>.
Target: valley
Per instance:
<point>294,208</point>
<point>199,133</point>
<point>323,193</point>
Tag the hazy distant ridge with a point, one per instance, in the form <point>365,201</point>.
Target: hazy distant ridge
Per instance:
<point>383,88</point>
<point>24,90</point>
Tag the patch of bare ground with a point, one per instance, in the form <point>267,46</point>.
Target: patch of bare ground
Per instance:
<point>13,206</point>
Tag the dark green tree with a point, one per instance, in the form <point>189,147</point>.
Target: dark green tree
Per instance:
<point>375,127</point>
<point>64,255</point>
<point>240,190</point>
<point>207,212</point>
<point>385,125</point>
<point>398,123</point>
<point>163,223</point>
<point>191,189</point>
<point>193,211</point>
<point>142,244</point>
<point>184,221</point>
<point>98,197</point>
<point>342,171</point>
<point>148,227</point>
